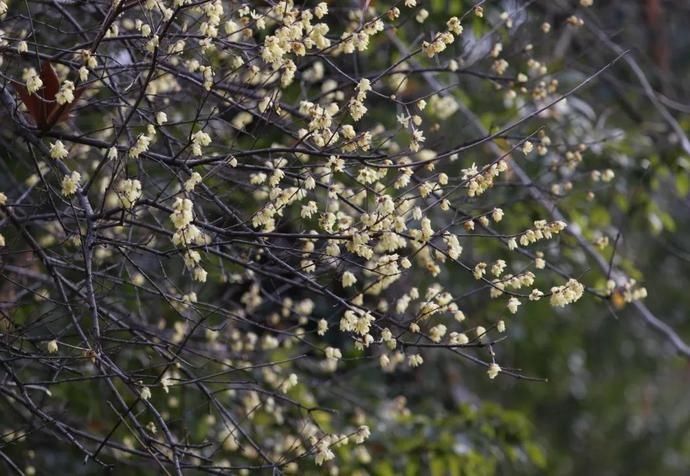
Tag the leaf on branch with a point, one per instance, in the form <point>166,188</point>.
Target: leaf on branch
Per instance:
<point>42,105</point>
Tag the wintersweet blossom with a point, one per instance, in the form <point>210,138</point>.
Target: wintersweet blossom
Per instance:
<point>361,435</point>
<point>140,146</point>
<point>194,180</point>
<point>58,150</point>
<point>454,25</point>
<point>166,383</point>
<point>563,295</point>
<point>129,191</point>
<point>480,331</point>
<point>66,93</point>
<point>182,213</point>
<point>415,360</point>
<point>309,209</point>
<point>145,393</point>
<point>437,332</point>
<point>458,338</point>
<point>348,279</point>
<point>199,139</point>
<point>333,353</point>
<point>323,453</point>
<point>32,80</point>
<point>535,295</point>
<point>498,267</point>
<point>70,183</point>
<point>289,382</point>
<point>52,346</point>
<point>513,304</point>
<point>493,370</point>
<point>321,10</point>
<point>479,270</point>
<point>199,274</point>
<point>454,248</point>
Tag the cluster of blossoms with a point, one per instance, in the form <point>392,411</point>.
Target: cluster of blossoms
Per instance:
<point>478,181</point>
<point>66,93</point>
<point>542,230</point>
<point>443,107</point>
<point>324,443</point>
<point>186,235</point>
<point>70,183</point>
<point>566,294</point>
<point>129,191</point>
<point>309,200</point>
<point>628,291</point>
<point>443,39</point>
<point>199,139</point>
<point>143,142</point>
<point>319,130</point>
<point>356,106</point>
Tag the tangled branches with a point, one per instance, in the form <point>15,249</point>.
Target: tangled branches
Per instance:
<point>217,217</point>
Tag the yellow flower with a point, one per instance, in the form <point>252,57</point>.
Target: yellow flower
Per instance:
<point>145,393</point>
<point>493,370</point>
<point>415,360</point>
<point>32,80</point>
<point>348,279</point>
<point>513,304</point>
<point>52,346</point>
<point>70,183</point>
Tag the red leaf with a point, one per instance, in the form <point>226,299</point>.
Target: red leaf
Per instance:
<point>46,95</point>
<point>32,103</point>
<point>51,83</point>
<point>42,106</point>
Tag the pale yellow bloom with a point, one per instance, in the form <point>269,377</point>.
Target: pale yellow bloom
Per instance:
<point>52,346</point>
<point>70,183</point>
<point>493,370</point>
